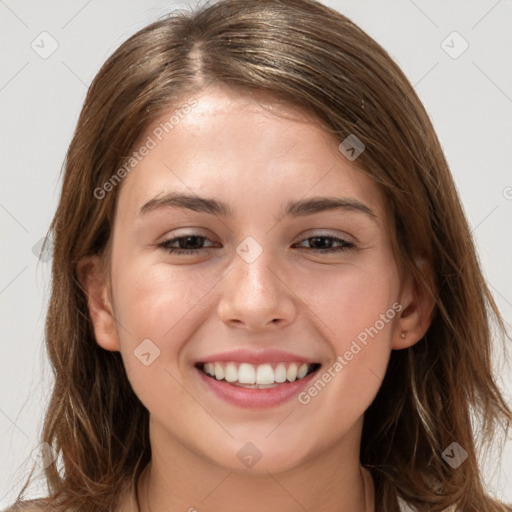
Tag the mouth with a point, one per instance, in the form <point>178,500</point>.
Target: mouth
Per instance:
<point>261,376</point>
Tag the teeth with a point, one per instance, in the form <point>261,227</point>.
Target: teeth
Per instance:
<point>219,371</point>
<point>301,372</point>
<point>231,374</point>
<point>263,375</point>
<point>246,374</point>
<point>291,373</point>
<point>280,373</point>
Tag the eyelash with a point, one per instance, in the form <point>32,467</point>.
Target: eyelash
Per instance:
<point>175,250</point>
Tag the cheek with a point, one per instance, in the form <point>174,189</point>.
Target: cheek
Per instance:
<point>157,311</point>
<point>352,299</point>
<point>359,313</point>
<point>152,301</point>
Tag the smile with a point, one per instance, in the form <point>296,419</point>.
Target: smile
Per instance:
<point>261,376</point>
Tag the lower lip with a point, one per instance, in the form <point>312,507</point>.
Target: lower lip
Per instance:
<point>256,398</point>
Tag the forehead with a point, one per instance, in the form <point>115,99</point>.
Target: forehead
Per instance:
<point>247,148</point>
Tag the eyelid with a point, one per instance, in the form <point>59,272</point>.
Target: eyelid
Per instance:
<point>306,234</point>
<point>182,232</point>
<point>320,233</point>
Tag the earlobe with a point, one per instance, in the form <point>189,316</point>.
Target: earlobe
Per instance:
<point>418,300</point>
<point>95,288</point>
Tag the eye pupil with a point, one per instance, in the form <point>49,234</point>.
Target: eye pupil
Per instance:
<point>325,244</point>
<point>184,242</point>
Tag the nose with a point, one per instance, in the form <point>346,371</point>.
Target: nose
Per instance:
<point>255,295</point>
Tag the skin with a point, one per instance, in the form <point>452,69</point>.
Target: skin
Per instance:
<point>255,155</point>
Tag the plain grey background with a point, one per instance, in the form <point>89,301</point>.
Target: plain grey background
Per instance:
<point>50,51</point>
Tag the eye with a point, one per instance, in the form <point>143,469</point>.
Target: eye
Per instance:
<point>326,244</point>
<point>193,243</point>
<point>186,244</point>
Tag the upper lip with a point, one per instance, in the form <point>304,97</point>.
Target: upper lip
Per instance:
<point>260,357</point>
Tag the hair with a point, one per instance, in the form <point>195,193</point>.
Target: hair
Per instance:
<point>439,391</point>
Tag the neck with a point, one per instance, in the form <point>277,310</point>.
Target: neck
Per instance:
<point>177,479</point>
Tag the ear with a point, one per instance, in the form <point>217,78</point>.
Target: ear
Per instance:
<point>418,301</point>
<point>95,286</point>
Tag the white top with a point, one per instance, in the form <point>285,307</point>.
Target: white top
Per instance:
<point>405,507</point>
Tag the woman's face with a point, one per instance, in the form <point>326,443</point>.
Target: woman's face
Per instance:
<point>271,276</point>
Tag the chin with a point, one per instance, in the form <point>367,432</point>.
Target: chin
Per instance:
<point>259,456</point>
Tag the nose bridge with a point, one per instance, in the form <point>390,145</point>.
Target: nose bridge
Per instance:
<point>254,293</point>
<point>255,277</point>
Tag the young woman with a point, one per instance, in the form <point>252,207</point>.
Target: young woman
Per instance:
<point>265,292</point>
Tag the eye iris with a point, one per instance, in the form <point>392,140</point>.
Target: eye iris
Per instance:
<point>184,242</point>
<point>325,245</point>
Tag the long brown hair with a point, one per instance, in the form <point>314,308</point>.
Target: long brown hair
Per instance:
<point>318,60</point>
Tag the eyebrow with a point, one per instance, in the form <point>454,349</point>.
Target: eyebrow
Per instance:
<point>300,208</point>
